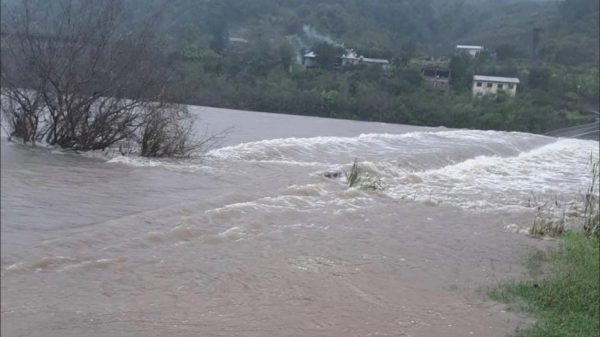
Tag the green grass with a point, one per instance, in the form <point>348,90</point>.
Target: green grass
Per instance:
<point>567,302</point>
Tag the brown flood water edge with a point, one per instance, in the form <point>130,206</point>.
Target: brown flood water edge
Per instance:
<point>256,241</point>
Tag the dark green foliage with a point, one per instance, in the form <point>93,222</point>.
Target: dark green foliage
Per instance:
<point>538,78</point>
<point>462,73</point>
<point>327,55</point>
<point>505,52</point>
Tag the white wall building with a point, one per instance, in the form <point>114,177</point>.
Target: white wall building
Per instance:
<point>484,85</point>
<point>470,50</point>
<point>350,58</point>
<point>309,59</point>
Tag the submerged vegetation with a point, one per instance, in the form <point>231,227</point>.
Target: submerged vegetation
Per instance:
<point>551,217</point>
<point>358,177</point>
<point>547,226</point>
<point>566,303</point>
<point>353,175</point>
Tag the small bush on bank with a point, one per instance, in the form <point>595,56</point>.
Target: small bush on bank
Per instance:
<point>591,225</point>
<point>547,225</point>
<point>555,218</point>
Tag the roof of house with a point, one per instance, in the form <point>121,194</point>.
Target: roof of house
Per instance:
<point>496,79</point>
<point>370,60</point>
<point>435,67</point>
<point>312,54</point>
<point>351,55</point>
<point>238,39</point>
<point>460,46</point>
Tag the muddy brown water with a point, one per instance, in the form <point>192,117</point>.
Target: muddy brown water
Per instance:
<point>254,240</point>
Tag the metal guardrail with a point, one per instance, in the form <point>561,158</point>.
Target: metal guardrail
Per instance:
<point>583,131</point>
<point>572,128</point>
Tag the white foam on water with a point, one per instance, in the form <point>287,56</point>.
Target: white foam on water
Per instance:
<point>95,263</point>
<point>562,167</point>
<point>62,263</point>
<point>333,150</point>
<point>137,162</point>
<point>309,190</point>
<point>182,165</point>
<point>308,199</point>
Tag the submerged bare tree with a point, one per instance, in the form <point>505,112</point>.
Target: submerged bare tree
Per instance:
<point>21,113</point>
<point>167,131</point>
<point>74,76</point>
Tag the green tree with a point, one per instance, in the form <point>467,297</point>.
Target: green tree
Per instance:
<point>506,52</point>
<point>460,68</point>
<point>327,55</point>
<point>286,56</point>
<point>538,78</point>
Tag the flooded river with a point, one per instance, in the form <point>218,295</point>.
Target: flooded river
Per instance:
<point>254,240</point>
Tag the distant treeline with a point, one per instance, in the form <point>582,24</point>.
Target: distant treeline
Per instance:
<point>551,46</point>
<point>549,96</point>
<point>555,58</point>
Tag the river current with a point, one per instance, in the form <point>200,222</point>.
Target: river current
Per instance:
<point>255,240</point>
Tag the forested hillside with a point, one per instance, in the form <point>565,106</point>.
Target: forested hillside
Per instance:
<point>247,54</point>
<point>428,27</point>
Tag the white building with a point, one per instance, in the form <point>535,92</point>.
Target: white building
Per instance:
<point>378,62</point>
<point>470,50</point>
<point>352,58</point>
<point>309,59</point>
<point>484,85</point>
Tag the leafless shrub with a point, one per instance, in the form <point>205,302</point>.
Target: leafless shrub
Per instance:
<point>168,130</point>
<point>91,77</point>
<point>20,114</point>
<point>73,76</point>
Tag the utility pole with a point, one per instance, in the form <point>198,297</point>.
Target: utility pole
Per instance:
<point>535,43</point>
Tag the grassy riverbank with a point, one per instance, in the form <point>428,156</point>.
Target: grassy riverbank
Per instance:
<point>567,303</point>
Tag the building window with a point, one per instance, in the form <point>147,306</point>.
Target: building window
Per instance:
<point>500,86</point>
<point>511,86</point>
<point>479,84</point>
<point>489,85</point>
